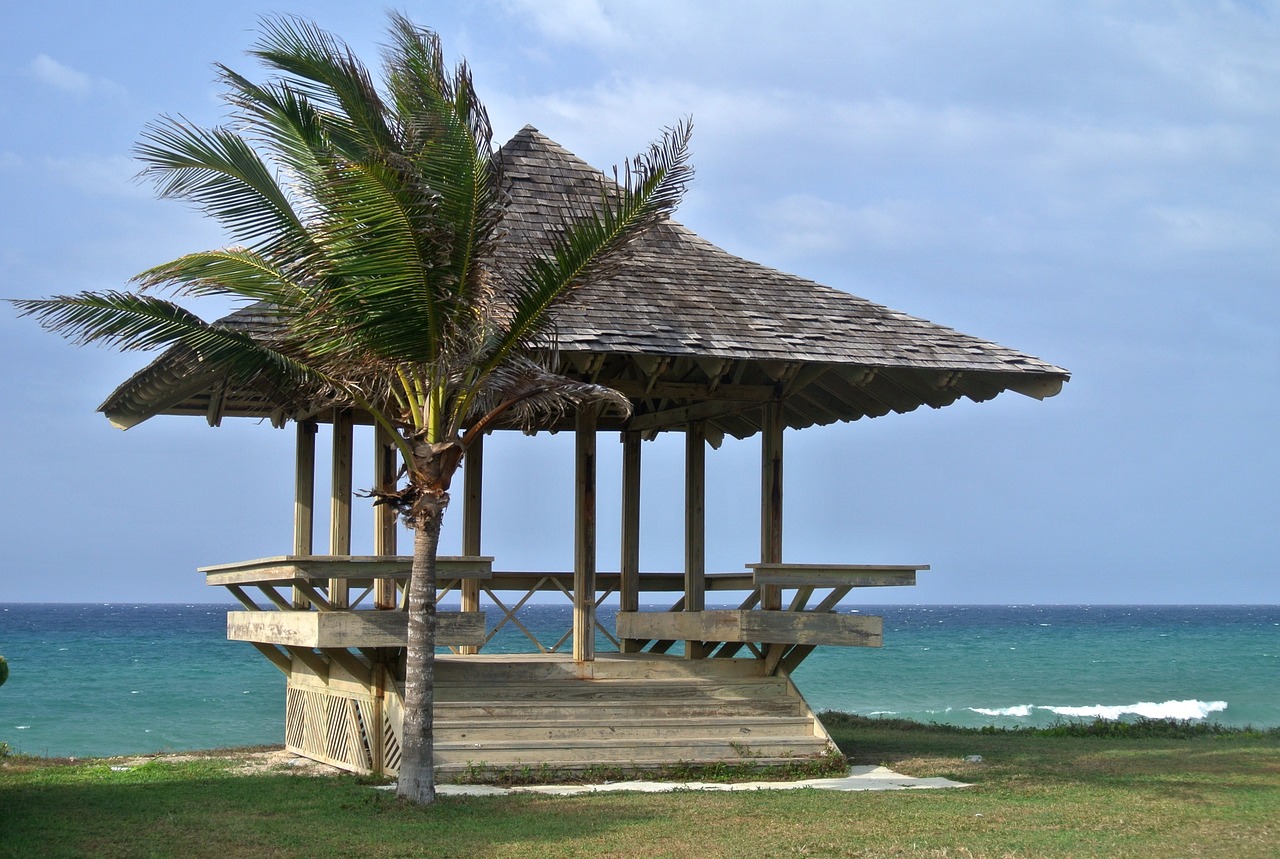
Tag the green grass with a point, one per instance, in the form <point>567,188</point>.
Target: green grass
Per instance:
<point>1166,792</point>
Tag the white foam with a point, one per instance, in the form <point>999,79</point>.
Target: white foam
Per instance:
<point>1021,711</point>
<point>1190,709</point>
<point>1182,710</point>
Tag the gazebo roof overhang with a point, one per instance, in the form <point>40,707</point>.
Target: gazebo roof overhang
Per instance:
<point>685,329</point>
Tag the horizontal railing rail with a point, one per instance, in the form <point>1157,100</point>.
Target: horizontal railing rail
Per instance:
<point>779,637</point>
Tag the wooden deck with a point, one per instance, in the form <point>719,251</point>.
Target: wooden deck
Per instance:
<point>727,698</point>
<point>620,712</point>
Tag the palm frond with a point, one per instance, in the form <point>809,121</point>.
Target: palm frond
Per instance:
<point>221,174</point>
<point>131,321</point>
<point>527,395</point>
<point>333,78</point>
<point>448,136</point>
<point>236,272</point>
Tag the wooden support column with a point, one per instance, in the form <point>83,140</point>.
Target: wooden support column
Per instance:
<point>584,537</point>
<point>340,501</point>
<point>385,462</point>
<point>472,492</point>
<point>629,581</point>
<point>695,526</point>
<point>771,500</point>
<point>304,498</point>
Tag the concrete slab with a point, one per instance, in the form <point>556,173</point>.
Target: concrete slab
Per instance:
<point>858,778</point>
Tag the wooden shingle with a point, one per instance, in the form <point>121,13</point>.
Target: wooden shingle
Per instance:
<point>686,329</point>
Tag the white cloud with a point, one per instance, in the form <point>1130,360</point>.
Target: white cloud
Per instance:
<point>801,224</point>
<point>569,21</point>
<point>50,72</point>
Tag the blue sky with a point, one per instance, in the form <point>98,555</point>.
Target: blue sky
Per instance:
<point>1092,183</point>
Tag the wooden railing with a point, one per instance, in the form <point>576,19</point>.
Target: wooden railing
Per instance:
<point>782,638</point>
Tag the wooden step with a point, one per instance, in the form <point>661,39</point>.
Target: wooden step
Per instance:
<point>474,771</point>
<point>617,710</point>
<point>622,752</point>
<point>616,666</point>
<point>742,728</point>
<point>637,691</point>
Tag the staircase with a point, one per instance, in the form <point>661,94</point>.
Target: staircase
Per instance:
<point>627,712</point>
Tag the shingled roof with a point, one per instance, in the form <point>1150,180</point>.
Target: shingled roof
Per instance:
<point>686,329</point>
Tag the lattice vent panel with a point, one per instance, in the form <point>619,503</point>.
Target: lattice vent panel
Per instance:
<point>392,720</point>
<point>337,729</point>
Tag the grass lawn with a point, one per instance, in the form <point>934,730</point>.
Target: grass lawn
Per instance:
<point>1171,794</point>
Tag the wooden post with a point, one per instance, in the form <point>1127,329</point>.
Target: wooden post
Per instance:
<point>472,491</point>
<point>304,498</point>
<point>340,501</point>
<point>584,537</point>
<point>385,460</point>
<point>695,526</point>
<point>771,500</point>
<point>629,566</point>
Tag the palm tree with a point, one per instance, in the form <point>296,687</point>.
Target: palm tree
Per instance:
<point>365,220</point>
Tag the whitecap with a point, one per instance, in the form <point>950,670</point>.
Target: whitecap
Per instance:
<point>1189,709</point>
<point>1021,711</point>
<point>21,727</point>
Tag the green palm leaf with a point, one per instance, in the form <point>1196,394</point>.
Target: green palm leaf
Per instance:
<point>132,321</point>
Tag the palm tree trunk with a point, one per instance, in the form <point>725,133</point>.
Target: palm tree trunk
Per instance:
<point>417,774</point>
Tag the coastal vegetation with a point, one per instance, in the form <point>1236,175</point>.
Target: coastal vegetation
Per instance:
<point>1155,788</point>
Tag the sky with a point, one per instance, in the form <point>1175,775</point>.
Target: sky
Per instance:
<point>1091,183</point>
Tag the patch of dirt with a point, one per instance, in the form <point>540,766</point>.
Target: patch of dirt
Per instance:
<point>249,761</point>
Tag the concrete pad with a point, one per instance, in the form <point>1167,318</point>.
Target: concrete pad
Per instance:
<point>858,778</point>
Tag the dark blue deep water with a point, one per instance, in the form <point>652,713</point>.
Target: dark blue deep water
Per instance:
<point>119,679</point>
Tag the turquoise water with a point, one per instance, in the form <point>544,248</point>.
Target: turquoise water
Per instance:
<point>121,679</point>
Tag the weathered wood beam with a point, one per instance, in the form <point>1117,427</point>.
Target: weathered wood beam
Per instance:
<point>385,462</point>
<point>472,506</point>
<point>354,665</point>
<point>318,664</point>
<point>584,537</point>
<point>835,575</point>
<point>1037,387</point>
<point>695,526</point>
<point>344,629</point>
<point>278,657</point>
<point>668,418</point>
<point>355,568</point>
<point>698,391</point>
<point>762,627</point>
<point>217,403</point>
<point>243,598</point>
<point>340,499</point>
<point>629,564</point>
<point>304,497</point>
<point>771,499</point>
<point>317,599</point>
<point>274,596</point>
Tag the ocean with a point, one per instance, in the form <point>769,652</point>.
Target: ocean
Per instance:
<point>96,680</point>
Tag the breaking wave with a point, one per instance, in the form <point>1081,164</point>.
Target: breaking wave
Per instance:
<point>1182,710</point>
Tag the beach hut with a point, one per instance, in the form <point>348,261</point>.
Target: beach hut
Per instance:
<point>703,343</point>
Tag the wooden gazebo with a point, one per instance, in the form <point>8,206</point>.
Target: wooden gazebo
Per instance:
<point>703,343</point>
